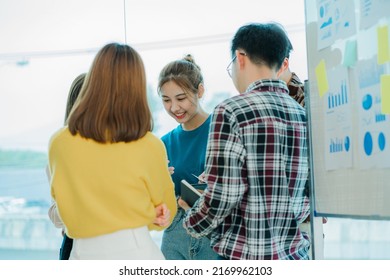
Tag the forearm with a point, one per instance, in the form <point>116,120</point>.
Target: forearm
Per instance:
<point>212,208</point>
<point>197,221</point>
<point>55,217</point>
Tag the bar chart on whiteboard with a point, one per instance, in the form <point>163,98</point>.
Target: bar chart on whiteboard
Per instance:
<point>349,107</point>
<point>338,121</point>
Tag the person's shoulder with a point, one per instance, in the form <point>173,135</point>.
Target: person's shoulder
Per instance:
<point>227,107</point>
<point>150,137</point>
<point>207,121</point>
<point>167,135</point>
<point>295,81</point>
<point>152,140</point>
<point>234,103</point>
<point>291,106</point>
<point>171,133</point>
<point>228,102</point>
<point>59,139</point>
<point>153,144</point>
<point>59,134</point>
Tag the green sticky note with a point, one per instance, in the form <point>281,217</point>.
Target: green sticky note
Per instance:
<point>350,53</point>
<point>385,94</point>
<point>383,44</point>
<point>322,78</point>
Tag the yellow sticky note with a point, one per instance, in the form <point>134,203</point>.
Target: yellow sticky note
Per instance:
<point>385,94</point>
<point>383,44</point>
<point>322,78</point>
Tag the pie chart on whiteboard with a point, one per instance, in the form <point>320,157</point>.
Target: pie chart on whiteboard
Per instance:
<point>368,143</point>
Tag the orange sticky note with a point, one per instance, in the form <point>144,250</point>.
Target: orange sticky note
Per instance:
<point>385,94</point>
<point>383,44</point>
<point>322,78</point>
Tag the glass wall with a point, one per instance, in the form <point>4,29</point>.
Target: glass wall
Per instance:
<point>46,44</point>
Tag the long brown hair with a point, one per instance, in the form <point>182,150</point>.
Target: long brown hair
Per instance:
<point>113,105</point>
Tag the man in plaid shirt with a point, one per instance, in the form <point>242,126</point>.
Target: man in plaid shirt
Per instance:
<point>256,159</point>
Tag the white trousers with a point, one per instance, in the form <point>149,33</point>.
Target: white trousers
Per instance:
<point>128,244</point>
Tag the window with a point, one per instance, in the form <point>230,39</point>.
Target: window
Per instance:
<point>46,44</point>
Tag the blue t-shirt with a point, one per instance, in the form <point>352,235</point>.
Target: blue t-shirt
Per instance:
<point>187,152</point>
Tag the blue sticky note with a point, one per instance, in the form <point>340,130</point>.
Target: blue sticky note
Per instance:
<point>350,53</point>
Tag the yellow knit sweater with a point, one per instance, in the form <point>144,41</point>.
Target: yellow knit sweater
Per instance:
<point>103,188</point>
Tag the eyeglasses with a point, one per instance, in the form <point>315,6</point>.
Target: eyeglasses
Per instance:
<point>229,67</point>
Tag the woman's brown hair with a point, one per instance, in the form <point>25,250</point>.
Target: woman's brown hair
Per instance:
<point>113,105</point>
<point>74,92</point>
<point>184,72</point>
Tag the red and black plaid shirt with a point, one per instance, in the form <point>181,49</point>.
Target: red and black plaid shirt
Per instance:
<point>256,168</point>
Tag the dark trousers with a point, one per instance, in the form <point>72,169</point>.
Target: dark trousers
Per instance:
<point>66,248</point>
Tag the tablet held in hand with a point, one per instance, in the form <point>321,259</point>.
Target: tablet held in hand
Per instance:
<point>190,192</point>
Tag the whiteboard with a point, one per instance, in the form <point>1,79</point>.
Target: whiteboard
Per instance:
<point>348,93</point>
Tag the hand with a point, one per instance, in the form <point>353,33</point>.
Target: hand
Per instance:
<point>171,169</point>
<point>324,220</point>
<point>202,178</point>
<point>183,204</point>
<point>162,215</point>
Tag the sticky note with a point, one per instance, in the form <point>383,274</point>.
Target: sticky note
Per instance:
<point>350,53</point>
<point>322,78</point>
<point>385,94</point>
<point>383,44</point>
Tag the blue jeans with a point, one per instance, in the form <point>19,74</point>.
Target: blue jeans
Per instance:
<point>177,244</point>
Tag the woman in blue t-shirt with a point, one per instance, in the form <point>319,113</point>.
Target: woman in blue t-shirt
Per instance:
<point>181,88</point>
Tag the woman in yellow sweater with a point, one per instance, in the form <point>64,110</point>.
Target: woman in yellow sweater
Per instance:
<point>109,173</point>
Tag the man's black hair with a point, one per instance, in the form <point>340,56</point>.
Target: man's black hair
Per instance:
<point>264,44</point>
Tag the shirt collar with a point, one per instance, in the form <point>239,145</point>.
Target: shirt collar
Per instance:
<point>267,83</point>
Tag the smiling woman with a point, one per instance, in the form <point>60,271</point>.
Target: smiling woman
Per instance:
<point>181,86</point>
